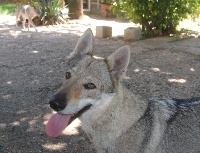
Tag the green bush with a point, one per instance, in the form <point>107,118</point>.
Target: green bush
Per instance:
<point>163,15</point>
<point>107,1</point>
<point>7,9</point>
<point>51,10</point>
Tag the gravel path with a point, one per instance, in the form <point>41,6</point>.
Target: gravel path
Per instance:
<point>32,65</point>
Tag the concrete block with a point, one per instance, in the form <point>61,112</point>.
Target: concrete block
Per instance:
<point>133,33</point>
<point>103,31</point>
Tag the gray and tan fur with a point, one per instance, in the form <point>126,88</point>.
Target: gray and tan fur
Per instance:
<point>26,12</point>
<point>116,120</point>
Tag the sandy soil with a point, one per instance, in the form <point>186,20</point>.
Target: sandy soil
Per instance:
<point>32,65</point>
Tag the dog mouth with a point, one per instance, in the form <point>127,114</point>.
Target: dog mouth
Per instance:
<point>58,122</point>
<point>79,113</point>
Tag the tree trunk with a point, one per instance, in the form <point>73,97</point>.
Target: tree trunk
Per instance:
<point>75,9</point>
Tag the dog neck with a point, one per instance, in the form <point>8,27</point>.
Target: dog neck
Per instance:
<point>110,117</point>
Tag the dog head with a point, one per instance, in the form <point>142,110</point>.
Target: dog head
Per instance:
<point>38,12</point>
<point>90,82</point>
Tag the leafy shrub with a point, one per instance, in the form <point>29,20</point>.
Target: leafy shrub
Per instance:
<point>15,1</point>
<point>7,9</point>
<point>107,1</point>
<point>163,15</point>
<point>51,10</point>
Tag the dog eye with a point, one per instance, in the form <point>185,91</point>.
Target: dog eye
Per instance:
<point>68,75</point>
<point>89,86</point>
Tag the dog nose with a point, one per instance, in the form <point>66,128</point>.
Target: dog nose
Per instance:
<point>56,105</point>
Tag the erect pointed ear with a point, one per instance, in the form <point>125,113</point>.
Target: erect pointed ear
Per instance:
<point>118,62</point>
<point>84,45</point>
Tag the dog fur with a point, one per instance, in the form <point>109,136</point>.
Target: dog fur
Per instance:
<point>26,12</point>
<point>116,120</point>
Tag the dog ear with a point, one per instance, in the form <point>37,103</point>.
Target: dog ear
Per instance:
<point>118,62</point>
<point>85,45</point>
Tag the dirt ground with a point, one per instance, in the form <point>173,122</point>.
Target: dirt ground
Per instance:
<point>32,66</point>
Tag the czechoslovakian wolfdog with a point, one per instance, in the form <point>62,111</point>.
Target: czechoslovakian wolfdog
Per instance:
<point>26,12</point>
<point>116,120</point>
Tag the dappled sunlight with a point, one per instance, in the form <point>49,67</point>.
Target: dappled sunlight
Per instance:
<point>54,147</point>
<point>7,96</point>
<point>24,119</point>
<point>127,78</point>
<point>77,27</point>
<point>155,69</point>
<point>46,117</point>
<point>168,73</point>
<point>15,123</point>
<point>136,70</point>
<point>21,112</point>
<point>187,34</point>
<point>158,70</point>
<point>72,129</point>
<point>177,80</point>
<point>189,24</point>
<point>34,52</point>
<point>25,131</point>
<point>3,125</point>
<point>87,22</point>
<point>9,82</point>
<point>32,124</point>
<point>51,71</point>
<point>189,28</point>
<point>15,33</point>
<point>192,69</point>
<point>151,69</point>
<point>4,29</point>
<point>7,20</point>
<point>21,122</point>
<point>97,57</point>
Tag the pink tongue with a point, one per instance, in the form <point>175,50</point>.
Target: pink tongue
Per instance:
<point>56,124</point>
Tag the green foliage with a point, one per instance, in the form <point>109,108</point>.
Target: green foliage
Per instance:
<point>162,15</point>
<point>51,10</point>
<point>7,9</point>
<point>32,3</point>
<point>107,1</point>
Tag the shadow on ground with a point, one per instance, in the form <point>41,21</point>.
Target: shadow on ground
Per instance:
<point>32,67</point>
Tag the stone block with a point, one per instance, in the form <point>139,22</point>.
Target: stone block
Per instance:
<point>133,33</point>
<point>103,31</point>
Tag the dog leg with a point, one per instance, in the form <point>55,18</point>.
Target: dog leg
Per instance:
<point>23,23</point>
<point>31,22</point>
<point>28,24</point>
<point>17,20</point>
